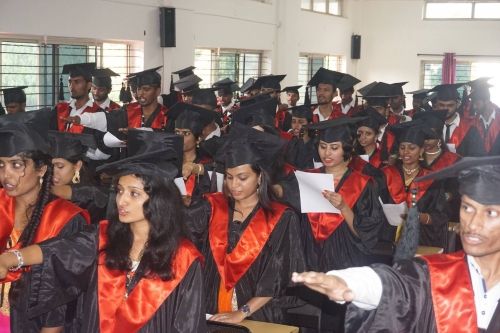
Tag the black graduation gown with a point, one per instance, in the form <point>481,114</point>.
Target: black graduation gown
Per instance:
<point>342,249</point>
<point>406,304</point>
<point>29,289</point>
<point>300,154</point>
<point>270,273</point>
<point>70,263</point>
<point>472,143</point>
<point>92,198</point>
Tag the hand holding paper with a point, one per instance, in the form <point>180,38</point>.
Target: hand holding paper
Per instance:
<point>311,187</point>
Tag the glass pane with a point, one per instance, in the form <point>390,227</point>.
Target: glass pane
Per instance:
<point>488,69</point>
<point>305,4</point>
<point>334,7</point>
<point>432,75</point>
<point>448,10</point>
<point>248,67</point>
<point>227,67</point>
<point>319,6</point>
<point>487,10</point>
<point>203,64</point>
<point>114,57</point>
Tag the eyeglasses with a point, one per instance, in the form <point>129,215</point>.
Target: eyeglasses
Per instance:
<point>183,133</point>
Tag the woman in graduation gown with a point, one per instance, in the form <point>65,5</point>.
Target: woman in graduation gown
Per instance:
<point>72,180</point>
<point>368,131</point>
<point>30,215</point>
<point>250,242</point>
<point>429,196</point>
<point>345,239</point>
<point>137,270</point>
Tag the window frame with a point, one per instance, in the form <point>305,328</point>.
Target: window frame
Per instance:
<point>472,12</point>
<point>327,12</point>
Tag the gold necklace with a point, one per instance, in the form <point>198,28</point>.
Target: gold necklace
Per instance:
<point>434,153</point>
<point>410,171</point>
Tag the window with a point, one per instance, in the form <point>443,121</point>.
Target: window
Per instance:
<point>473,9</point>
<point>465,71</point>
<point>39,65</point>
<point>310,63</point>
<point>213,65</point>
<point>332,7</point>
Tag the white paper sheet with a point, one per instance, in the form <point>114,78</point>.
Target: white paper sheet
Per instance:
<point>393,212</point>
<point>112,141</point>
<point>365,157</point>
<point>310,186</point>
<point>220,180</point>
<point>317,164</point>
<point>180,185</point>
<point>451,147</point>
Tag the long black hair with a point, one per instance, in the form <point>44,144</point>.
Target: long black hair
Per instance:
<point>165,213</point>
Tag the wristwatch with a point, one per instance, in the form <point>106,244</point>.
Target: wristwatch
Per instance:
<point>246,310</point>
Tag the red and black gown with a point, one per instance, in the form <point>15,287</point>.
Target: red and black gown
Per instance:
<point>60,218</point>
<point>255,258</point>
<point>491,135</point>
<point>336,113</point>
<point>63,110</point>
<point>431,199</point>
<point>328,241</point>
<point>77,267</point>
<point>431,294</point>
<point>467,139</point>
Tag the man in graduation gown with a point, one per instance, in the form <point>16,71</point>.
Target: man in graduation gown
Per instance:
<point>101,87</point>
<point>397,103</point>
<point>14,99</point>
<point>300,150</point>
<point>325,81</point>
<point>487,118</point>
<point>419,101</point>
<point>227,105</point>
<point>292,95</point>
<point>459,132</point>
<point>270,85</point>
<point>457,292</point>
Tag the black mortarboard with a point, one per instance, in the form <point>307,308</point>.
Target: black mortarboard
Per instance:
<point>185,72</point>
<point>269,82</point>
<point>102,77</point>
<point>478,178</point>
<point>85,69</point>
<point>262,112</point>
<point>303,111</point>
<point>245,145</point>
<point>447,92</point>
<point>347,82</point>
<point>149,153</point>
<point>397,88</point>
<point>248,85</point>
<point>378,90</point>
<point>14,95</point>
<point>413,131</point>
<point>191,117</point>
<point>421,93</point>
<point>339,129</point>
<point>291,89</point>
<point>205,96</point>
<point>373,119</point>
<point>327,76</point>
<point>433,119</point>
<point>146,77</point>
<point>480,83</point>
<point>70,146</point>
<point>188,83</point>
<point>226,86</point>
<point>480,88</point>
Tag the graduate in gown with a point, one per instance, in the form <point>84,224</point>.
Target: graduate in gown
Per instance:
<point>458,292</point>
<point>30,215</point>
<point>251,243</point>
<point>345,239</point>
<point>137,271</point>
<point>300,149</point>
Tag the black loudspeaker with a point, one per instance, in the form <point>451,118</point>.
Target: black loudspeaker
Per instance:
<point>167,27</point>
<point>355,47</point>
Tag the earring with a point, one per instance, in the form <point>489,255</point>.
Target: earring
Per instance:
<point>41,181</point>
<point>76,177</point>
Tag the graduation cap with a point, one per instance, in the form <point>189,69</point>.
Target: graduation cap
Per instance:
<point>245,145</point>
<point>248,85</point>
<point>185,72</point>
<point>188,83</point>
<point>225,86</point>
<point>434,119</point>
<point>85,69</point>
<point>149,153</point>
<point>478,178</point>
<point>347,82</point>
<point>480,88</point>
<point>302,111</point>
<point>292,89</point>
<point>261,112</point>
<point>70,146</point>
<point>421,93</point>
<point>146,77</point>
<point>269,82</point>
<point>413,131</point>
<point>14,95</point>
<point>373,119</point>
<point>205,96</point>
<point>327,76</point>
<point>192,117</point>
<point>102,77</point>
<point>339,129</point>
<point>397,88</point>
<point>447,92</point>
<point>480,83</point>
<point>377,93</point>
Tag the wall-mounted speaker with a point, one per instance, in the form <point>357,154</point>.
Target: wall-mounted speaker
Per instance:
<point>167,27</point>
<point>355,47</point>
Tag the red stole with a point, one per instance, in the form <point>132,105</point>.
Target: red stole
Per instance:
<point>460,132</point>
<point>376,158</point>
<point>279,118</point>
<point>233,266</point>
<point>452,294</point>
<point>491,135</point>
<point>117,314</point>
<point>323,225</point>
<point>396,186</point>
<point>113,106</point>
<point>446,159</point>
<point>63,111</point>
<point>336,113</point>
<point>56,215</point>
<point>134,116</point>
<point>392,119</point>
<point>285,135</point>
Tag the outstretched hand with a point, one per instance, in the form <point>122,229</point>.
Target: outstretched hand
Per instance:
<point>332,286</point>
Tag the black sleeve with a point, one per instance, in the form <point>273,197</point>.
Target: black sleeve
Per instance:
<point>197,218</point>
